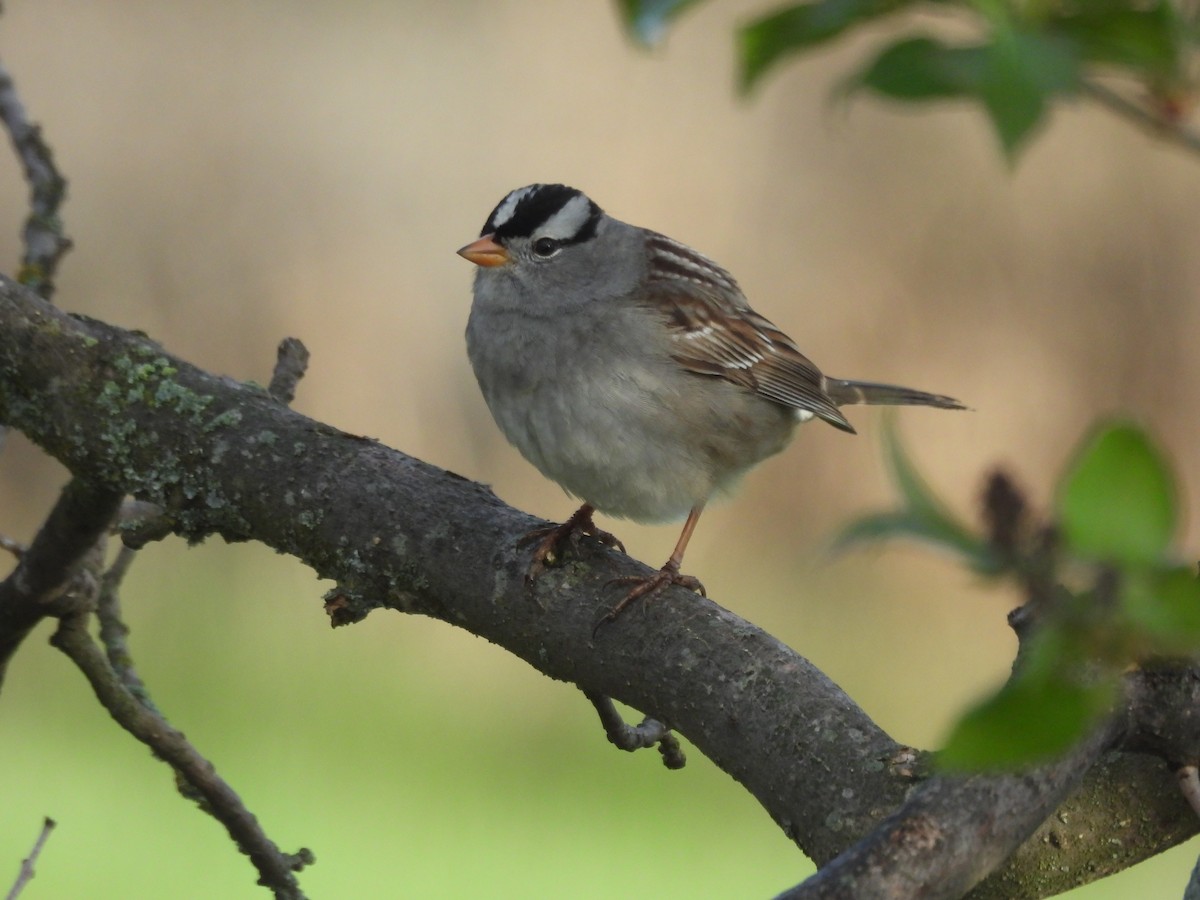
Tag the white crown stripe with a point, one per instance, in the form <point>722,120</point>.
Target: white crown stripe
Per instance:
<point>508,206</point>
<point>568,221</point>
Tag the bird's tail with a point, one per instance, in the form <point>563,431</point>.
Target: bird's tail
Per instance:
<point>844,392</point>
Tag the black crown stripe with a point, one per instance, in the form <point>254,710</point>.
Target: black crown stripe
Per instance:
<point>538,205</point>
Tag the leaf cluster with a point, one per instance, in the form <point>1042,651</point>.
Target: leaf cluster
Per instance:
<point>1012,58</point>
<point>1104,590</point>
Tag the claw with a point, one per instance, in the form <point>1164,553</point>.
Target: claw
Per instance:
<point>646,588</point>
<point>551,540</point>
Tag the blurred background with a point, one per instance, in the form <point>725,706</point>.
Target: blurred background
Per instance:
<point>244,171</point>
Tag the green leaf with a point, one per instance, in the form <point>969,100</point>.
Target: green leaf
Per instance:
<point>922,516</point>
<point>997,12</point>
<point>1165,605</point>
<point>1037,715</point>
<point>923,68</point>
<point>919,499</point>
<point>1013,77</point>
<point>1020,74</point>
<point>794,29</point>
<point>1151,40</point>
<point>1117,501</point>
<point>901,524</point>
<point>648,20</point>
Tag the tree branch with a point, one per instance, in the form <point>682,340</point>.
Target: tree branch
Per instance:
<point>1192,891</point>
<point>114,631</point>
<point>27,864</point>
<point>628,737</point>
<point>217,798</point>
<point>291,362</point>
<point>953,832</point>
<point>79,519</point>
<point>45,243</point>
<point>392,531</point>
<point>1158,125</point>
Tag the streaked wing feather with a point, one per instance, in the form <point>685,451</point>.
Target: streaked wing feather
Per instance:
<point>746,349</point>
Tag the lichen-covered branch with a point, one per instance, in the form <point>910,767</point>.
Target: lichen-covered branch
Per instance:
<point>395,532</point>
<point>392,531</point>
<point>953,831</point>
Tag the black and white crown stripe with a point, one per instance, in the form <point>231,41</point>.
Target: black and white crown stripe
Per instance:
<point>506,208</point>
<point>567,215</point>
<point>547,210</point>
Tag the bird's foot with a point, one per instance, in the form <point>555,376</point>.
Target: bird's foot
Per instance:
<point>550,541</point>
<point>647,587</point>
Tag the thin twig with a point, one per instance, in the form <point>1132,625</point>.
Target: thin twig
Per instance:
<point>216,800</point>
<point>276,869</point>
<point>26,873</point>
<point>45,242</point>
<point>1142,116</point>
<point>629,737</point>
<point>1192,891</point>
<point>13,546</point>
<point>114,631</point>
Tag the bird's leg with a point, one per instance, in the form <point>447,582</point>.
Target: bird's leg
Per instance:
<point>648,587</point>
<point>552,540</point>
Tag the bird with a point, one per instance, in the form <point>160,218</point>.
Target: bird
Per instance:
<point>631,370</point>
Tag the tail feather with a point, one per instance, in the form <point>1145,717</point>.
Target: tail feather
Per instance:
<point>844,392</point>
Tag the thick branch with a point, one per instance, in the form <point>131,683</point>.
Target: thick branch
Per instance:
<point>393,531</point>
<point>1102,828</point>
<point>952,832</point>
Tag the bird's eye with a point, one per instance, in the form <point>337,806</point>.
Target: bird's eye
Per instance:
<point>546,247</point>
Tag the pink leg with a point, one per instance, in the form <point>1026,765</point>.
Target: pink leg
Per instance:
<point>648,587</point>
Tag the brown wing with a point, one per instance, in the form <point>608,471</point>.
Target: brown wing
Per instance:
<point>715,332</point>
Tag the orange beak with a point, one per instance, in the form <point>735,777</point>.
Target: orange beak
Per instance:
<point>485,252</point>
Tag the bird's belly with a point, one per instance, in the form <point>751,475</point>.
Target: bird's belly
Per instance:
<point>632,434</point>
<point>635,444</point>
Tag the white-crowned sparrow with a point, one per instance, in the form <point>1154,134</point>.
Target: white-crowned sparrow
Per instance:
<point>631,370</point>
